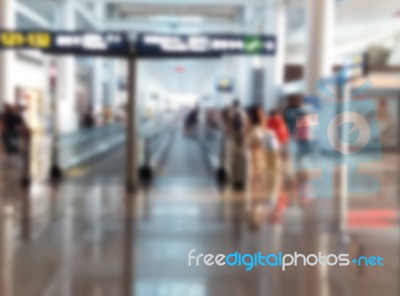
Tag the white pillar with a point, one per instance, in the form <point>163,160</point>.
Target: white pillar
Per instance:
<point>113,84</point>
<point>7,251</point>
<point>67,115</point>
<point>98,69</point>
<point>122,72</point>
<point>226,71</point>
<point>394,58</point>
<point>320,17</point>
<point>7,58</point>
<point>269,29</point>
<point>245,73</point>
<point>280,57</point>
<point>97,85</point>
<point>275,24</point>
<point>318,64</point>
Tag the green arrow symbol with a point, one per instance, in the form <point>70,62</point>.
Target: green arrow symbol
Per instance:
<point>253,45</point>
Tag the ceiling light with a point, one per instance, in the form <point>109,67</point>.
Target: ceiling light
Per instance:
<point>172,18</point>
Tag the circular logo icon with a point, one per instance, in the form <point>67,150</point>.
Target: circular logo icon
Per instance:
<point>346,126</point>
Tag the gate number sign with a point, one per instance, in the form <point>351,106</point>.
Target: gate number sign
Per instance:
<point>111,43</point>
<point>40,40</point>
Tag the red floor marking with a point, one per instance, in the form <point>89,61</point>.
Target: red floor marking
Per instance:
<point>376,218</point>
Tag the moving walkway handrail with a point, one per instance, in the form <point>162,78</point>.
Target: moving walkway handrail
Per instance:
<point>213,140</point>
<point>152,129</point>
<point>82,145</point>
<point>149,140</point>
<point>79,146</point>
<point>87,134</point>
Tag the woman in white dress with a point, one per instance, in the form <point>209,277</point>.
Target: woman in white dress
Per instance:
<point>262,142</point>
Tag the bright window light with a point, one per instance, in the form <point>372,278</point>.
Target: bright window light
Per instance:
<point>257,62</point>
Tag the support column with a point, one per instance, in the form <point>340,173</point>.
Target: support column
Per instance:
<point>244,74</point>
<point>224,99</point>
<point>320,36</point>
<point>66,114</point>
<point>7,58</point>
<point>98,70</point>
<point>318,64</point>
<point>7,251</point>
<point>245,78</point>
<point>280,57</point>
<point>131,124</point>
<point>113,84</point>
<point>97,86</point>
<point>275,24</point>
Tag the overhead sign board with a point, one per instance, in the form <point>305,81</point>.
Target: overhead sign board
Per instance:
<point>158,45</point>
<point>91,43</point>
<point>112,43</point>
<point>147,45</point>
<point>355,65</point>
<point>225,85</point>
<point>23,40</point>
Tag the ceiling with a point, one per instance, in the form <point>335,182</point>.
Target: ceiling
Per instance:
<point>215,12</point>
<point>184,75</point>
<point>350,13</point>
<point>359,23</point>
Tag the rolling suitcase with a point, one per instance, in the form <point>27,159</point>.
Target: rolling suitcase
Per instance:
<point>239,168</point>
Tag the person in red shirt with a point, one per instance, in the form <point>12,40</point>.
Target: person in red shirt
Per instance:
<point>276,123</point>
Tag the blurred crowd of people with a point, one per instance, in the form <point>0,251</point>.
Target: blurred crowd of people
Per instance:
<point>257,146</point>
<point>13,129</point>
<point>91,119</point>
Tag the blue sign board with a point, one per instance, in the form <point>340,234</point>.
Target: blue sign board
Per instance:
<point>147,45</point>
<point>159,45</point>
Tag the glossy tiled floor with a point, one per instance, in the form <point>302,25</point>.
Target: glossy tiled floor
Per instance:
<point>91,239</point>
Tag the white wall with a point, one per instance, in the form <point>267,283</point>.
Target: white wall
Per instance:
<point>232,68</point>
<point>146,85</point>
<point>32,74</point>
<point>394,59</point>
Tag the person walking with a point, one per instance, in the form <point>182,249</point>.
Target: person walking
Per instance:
<point>12,127</point>
<point>264,173</point>
<point>236,129</point>
<point>191,121</point>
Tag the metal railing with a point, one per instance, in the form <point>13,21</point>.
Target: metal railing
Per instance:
<point>212,140</point>
<point>153,143</point>
<point>82,145</point>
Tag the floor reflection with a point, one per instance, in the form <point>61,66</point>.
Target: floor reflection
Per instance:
<point>92,239</point>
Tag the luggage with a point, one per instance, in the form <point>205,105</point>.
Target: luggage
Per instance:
<point>239,168</point>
